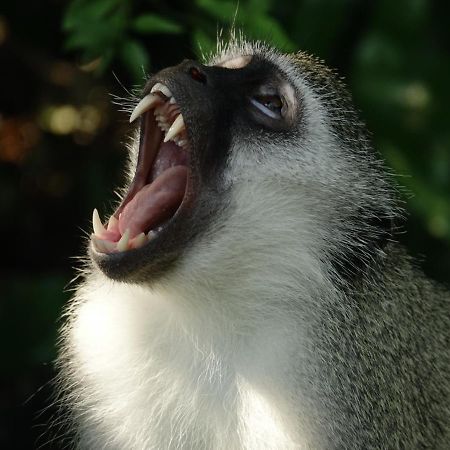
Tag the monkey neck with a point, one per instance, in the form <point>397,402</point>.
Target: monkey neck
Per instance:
<point>170,360</point>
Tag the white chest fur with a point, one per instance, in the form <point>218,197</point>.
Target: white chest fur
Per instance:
<point>148,380</point>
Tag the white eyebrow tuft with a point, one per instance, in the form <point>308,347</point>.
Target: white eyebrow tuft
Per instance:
<point>235,63</point>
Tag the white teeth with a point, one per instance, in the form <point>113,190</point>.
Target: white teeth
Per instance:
<point>163,115</point>
<point>112,223</point>
<point>103,245</point>
<point>162,122</point>
<point>122,245</point>
<point>99,229</point>
<point>110,246</point>
<point>162,88</point>
<point>144,105</point>
<point>139,240</point>
<point>98,244</point>
<point>177,127</point>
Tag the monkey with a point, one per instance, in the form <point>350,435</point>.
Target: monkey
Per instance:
<point>249,291</point>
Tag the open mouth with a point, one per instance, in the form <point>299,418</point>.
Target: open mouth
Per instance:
<point>160,183</point>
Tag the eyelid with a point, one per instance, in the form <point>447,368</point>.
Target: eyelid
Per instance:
<point>263,109</point>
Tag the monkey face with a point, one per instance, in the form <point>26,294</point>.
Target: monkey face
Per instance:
<point>245,158</point>
<point>188,114</point>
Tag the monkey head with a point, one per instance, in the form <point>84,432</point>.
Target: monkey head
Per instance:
<point>254,156</point>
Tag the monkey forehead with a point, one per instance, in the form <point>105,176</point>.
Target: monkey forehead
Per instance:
<point>238,53</point>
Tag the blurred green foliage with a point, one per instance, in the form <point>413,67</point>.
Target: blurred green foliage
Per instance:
<point>62,141</point>
<point>115,29</point>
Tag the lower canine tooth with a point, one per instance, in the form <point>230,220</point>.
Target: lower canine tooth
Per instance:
<point>99,229</point>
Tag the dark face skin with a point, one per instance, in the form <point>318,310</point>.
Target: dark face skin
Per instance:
<point>213,101</point>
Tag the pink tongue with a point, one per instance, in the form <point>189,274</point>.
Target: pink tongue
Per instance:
<point>155,202</point>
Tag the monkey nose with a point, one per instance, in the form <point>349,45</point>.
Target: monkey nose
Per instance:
<point>197,74</point>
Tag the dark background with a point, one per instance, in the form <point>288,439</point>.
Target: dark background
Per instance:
<point>62,137</point>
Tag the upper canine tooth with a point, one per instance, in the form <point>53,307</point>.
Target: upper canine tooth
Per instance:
<point>144,105</point>
<point>99,229</point>
<point>177,126</point>
<point>161,88</point>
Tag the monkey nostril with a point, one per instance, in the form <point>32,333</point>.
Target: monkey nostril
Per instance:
<point>197,75</point>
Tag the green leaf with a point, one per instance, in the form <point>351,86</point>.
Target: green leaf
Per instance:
<point>152,23</point>
<point>95,36</point>
<point>98,38</point>
<point>259,5</point>
<point>224,11</point>
<point>135,58</point>
<point>81,11</point>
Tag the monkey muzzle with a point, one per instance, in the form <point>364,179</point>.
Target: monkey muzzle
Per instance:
<point>160,181</point>
<point>185,114</point>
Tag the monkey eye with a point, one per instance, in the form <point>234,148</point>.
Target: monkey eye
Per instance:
<point>270,105</point>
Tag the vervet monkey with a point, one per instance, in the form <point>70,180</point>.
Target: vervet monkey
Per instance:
<point>249,291</point>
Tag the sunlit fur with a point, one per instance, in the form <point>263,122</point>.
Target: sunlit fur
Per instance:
<point>256,341</point>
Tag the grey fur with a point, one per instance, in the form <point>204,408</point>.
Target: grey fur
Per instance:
<point>384,351</point>
<point>294,302</point>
